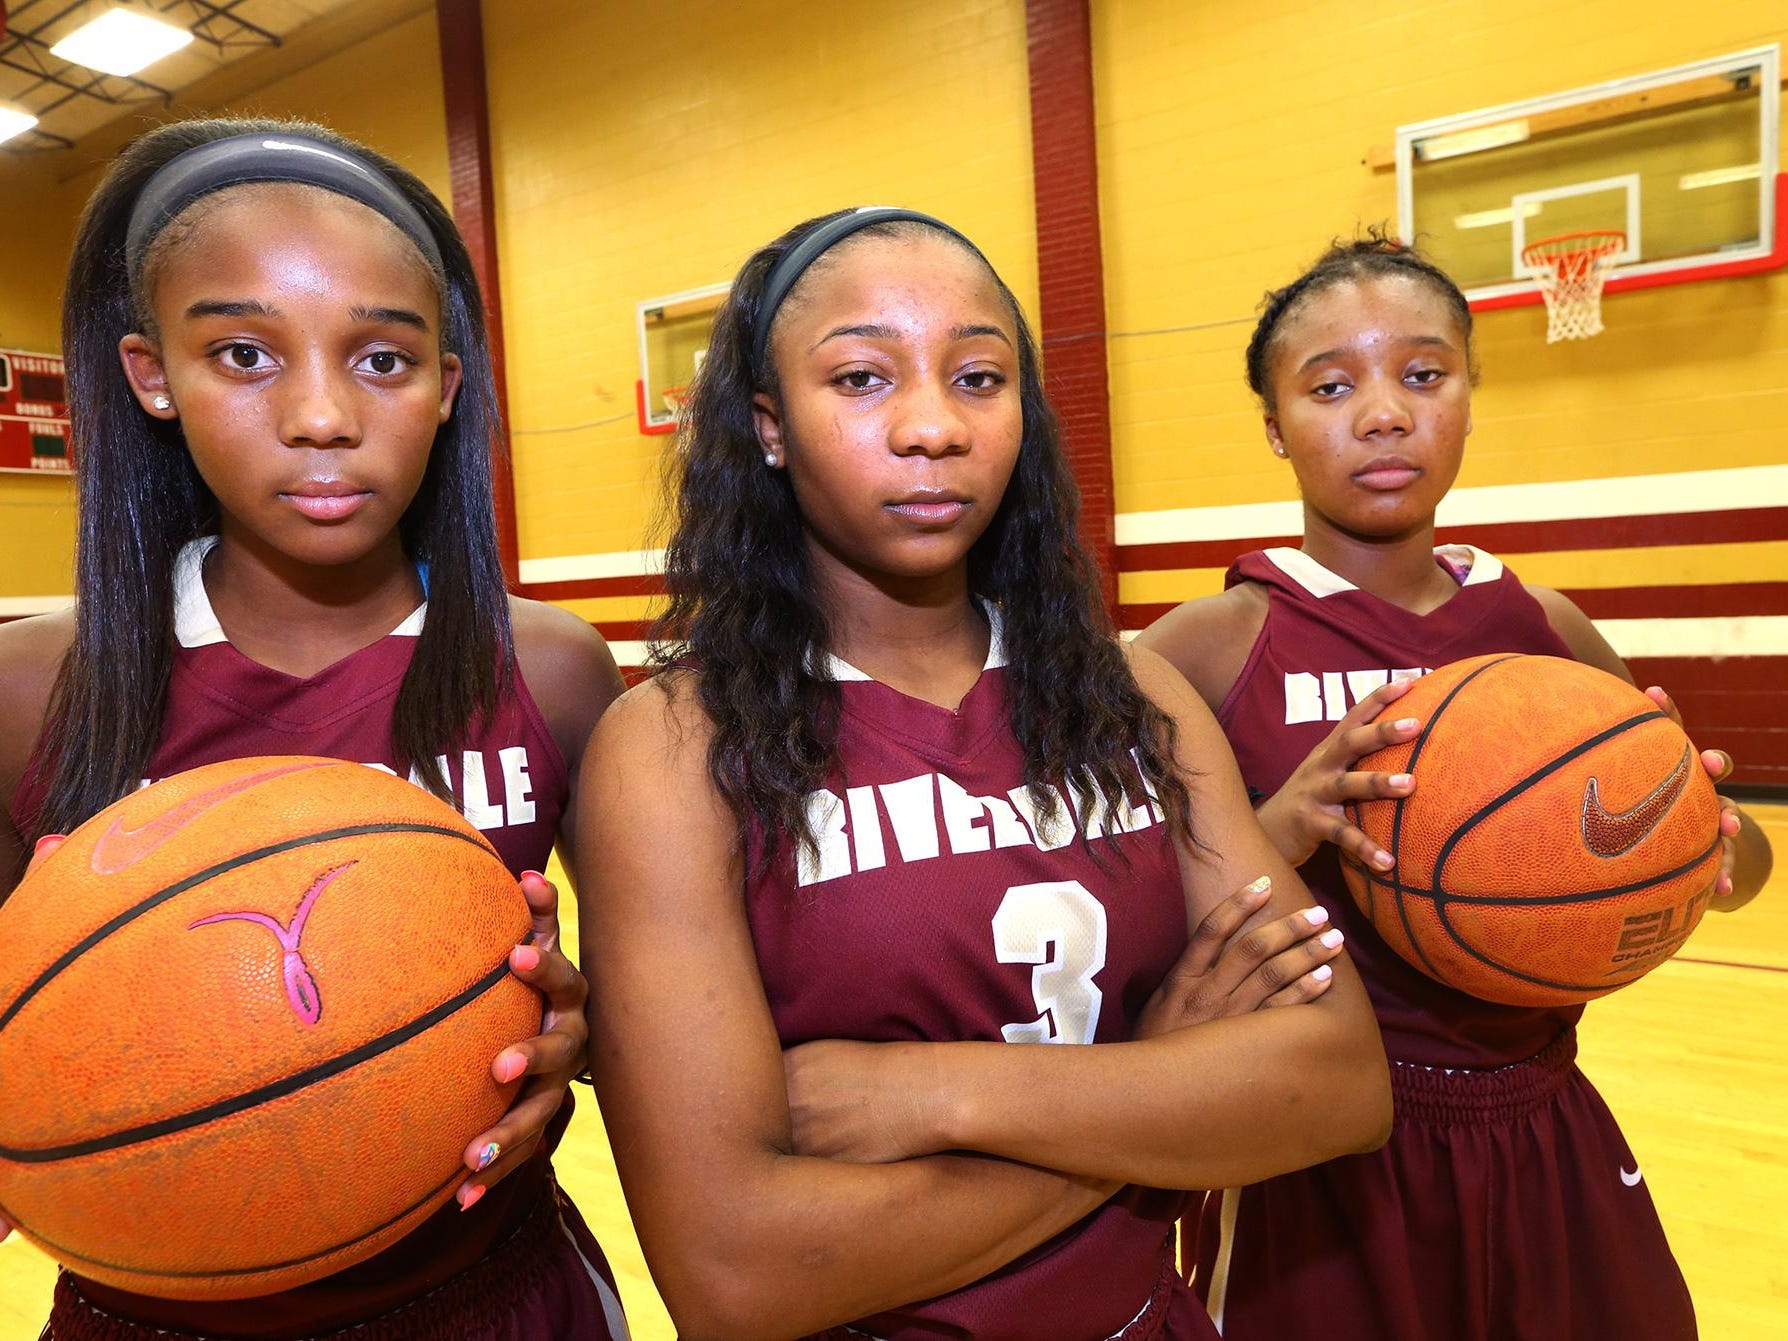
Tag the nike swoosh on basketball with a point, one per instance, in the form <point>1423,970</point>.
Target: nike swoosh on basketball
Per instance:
<point>1608,835</point>
<point>1632,1179</point>
<point>119,848</point>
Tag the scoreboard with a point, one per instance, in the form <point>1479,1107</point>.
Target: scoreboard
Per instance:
<point>33,413</point>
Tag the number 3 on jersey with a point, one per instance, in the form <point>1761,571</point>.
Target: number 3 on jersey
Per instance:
<point>1060,927</point>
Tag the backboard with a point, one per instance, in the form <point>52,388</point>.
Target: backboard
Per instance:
<point>1684,161</point>
<point>673,338</point>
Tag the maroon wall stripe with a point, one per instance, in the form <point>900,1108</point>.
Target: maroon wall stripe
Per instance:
<point>1070,261</point>
<point>584,587</point>
<point>1722,599</point>
<point>1715,600</point>
<point>1675,528</point>
<point>461,25</point>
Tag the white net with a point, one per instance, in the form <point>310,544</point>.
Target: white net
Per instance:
<point>1570,271</point>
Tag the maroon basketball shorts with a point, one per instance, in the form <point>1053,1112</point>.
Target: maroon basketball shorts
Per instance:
<point>1505,1207</point>
<point>547,1280</point>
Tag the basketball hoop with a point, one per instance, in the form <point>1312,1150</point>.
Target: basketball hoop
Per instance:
<point>674,396</point>
<point>1571,270</point>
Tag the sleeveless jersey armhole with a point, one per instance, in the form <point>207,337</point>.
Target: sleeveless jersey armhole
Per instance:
<point>1255,651</point>
<point>524,698</point>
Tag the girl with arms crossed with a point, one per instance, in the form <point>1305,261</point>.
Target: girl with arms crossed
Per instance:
<point>283,410</point>
<point>1506,1204</point>
<point>897,801</point>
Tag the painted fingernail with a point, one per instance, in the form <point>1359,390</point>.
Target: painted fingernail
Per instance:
<point>536,874</point>
<point>1402,779</point>
<point>49,838</point>
<point>1322,973</point>
<point>1259,885</point>
<point>1331,937</point>
<point>490,1151</point>
<point>1406,724</point>
<point>1316,916</point>
<point>1384,861</point>
<point>525,958</point>
<point>469,1195</point>
<point>510,1065</point>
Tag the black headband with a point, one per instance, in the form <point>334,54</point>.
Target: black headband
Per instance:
<point>793,263</point>
<point>242,159</point>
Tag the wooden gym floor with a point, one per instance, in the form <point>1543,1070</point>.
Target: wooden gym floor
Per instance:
<point>1691,1059</point>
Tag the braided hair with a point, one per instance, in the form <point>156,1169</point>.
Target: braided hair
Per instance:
<point>1374,256</point>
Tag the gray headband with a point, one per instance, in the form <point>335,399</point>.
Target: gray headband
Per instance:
<point>242,159</point>
<point>793,263</point>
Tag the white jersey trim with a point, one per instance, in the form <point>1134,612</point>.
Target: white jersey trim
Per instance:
<point>195,622</point>
<point>837,668</point>
<point>1479,568</point>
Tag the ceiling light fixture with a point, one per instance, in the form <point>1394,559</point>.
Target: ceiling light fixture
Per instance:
<point>121,42</point>
<point>14,122</point>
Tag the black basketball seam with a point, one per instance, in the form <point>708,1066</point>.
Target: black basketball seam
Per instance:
<point>1547,982</point>
<point>179,887</point>
<point>1540,900</point>
<point>276,1089</point>
<point>1440,895</point>
<point>430,1195</point>
<point>1397,813</point>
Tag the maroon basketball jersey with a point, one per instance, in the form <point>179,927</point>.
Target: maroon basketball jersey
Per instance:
<point>509,780</point>
<point>1325,645</point>
<point>941,906</point>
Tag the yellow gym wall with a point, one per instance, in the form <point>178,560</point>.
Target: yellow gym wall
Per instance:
<point>641,151</point>
<point>1231,151</point>
<point>352,90</point>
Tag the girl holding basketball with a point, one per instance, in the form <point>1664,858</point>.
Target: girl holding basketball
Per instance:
<point>1506,1203</point>
<point>283,407</point>
<point>897,801</point>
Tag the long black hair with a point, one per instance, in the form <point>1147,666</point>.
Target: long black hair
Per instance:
<point>743,611</point>
<point>141,499</point>
<point>1375,256</point>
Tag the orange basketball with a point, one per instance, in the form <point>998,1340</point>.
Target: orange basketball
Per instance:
<point>247,1017</point>
<point>1561,840</point>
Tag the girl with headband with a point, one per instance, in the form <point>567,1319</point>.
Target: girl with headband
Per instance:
<point>283,409</point>
<point>898,801</point>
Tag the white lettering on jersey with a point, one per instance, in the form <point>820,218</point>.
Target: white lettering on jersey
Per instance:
<point>913,815</point>
<point>518,787</point>
<point>475,793</point>
<point>866,829</point>
<point>1325,696</point>
<point>1060,927</point>
<point>830,856</point>
<point>511,805</point>
<point>933,815</point>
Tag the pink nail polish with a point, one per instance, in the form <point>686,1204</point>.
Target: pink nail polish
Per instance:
<point>38,847</point>
<point>510,1066</point>
<point>525,958</point>
<point>536,874</point>
<point>468,1196</point>
<point>1316,916</point>
<point>1331,937</point>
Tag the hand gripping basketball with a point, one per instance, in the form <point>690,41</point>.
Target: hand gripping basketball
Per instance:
<point>551,1058</point>
<point>1718,764</point>
<point>1307,811</point>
